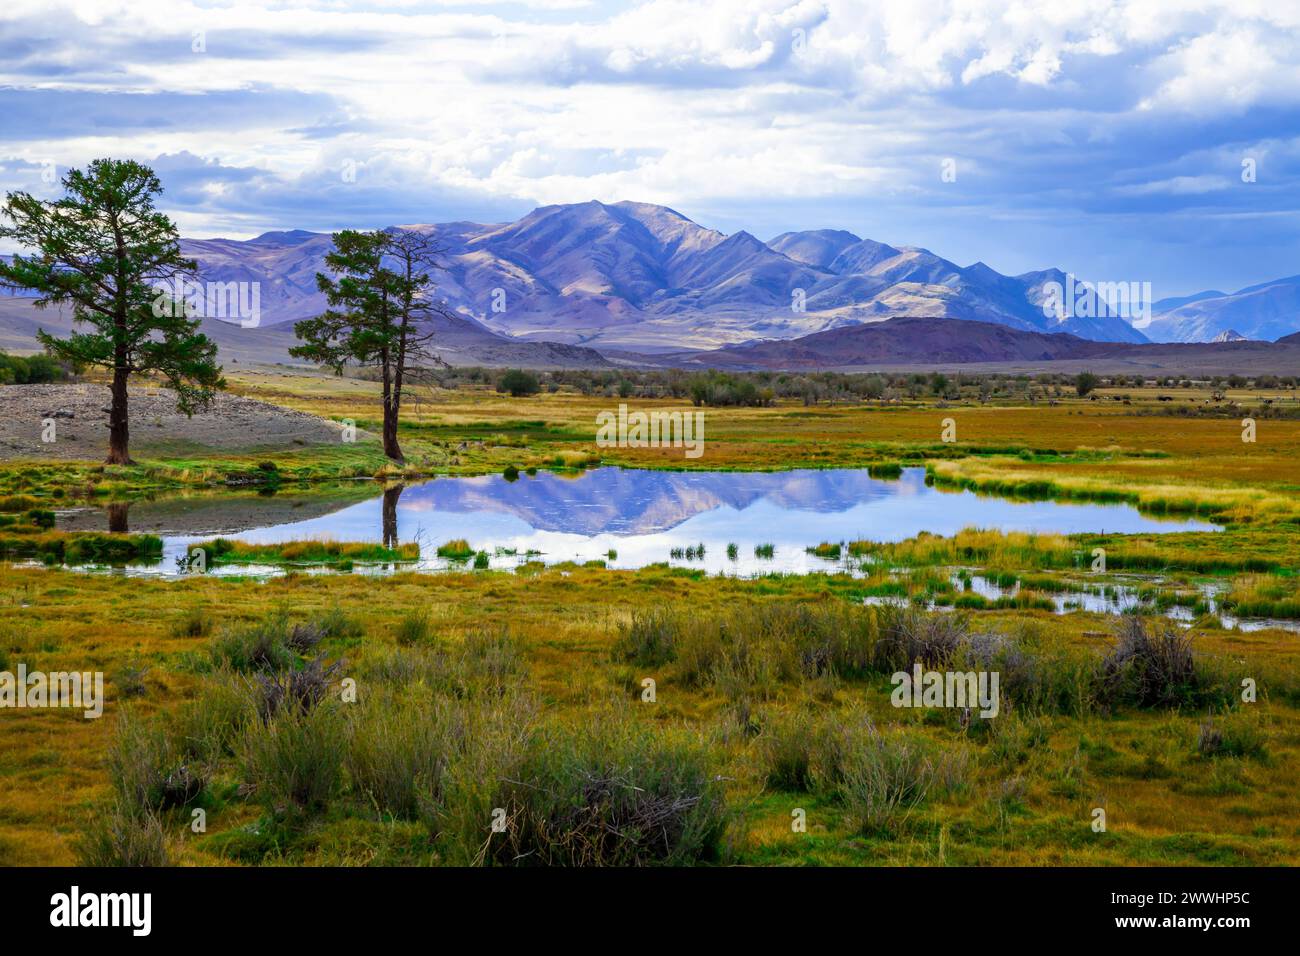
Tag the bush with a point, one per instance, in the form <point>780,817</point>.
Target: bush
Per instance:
<point>610,793</point>
<point>260,646</point>
<point>882,779</point>
<point>147,771</point>
<point>1151,665</point>
<point>518,383</point>
<point>30,370</point>
<point>298,690</point>
<point>910,636</point>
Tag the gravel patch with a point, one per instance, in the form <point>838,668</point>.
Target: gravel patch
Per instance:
<point>79,413</point>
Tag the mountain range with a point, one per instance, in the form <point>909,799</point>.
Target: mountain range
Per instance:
<point>639,277</point>
<point>590,283</point>
<point>644,278</point>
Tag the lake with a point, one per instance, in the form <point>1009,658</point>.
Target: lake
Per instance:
<point>644,517</point>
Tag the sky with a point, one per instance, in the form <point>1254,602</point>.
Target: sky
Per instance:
<point>1153,140</point>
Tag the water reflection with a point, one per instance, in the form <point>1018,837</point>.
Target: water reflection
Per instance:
<point>633,518</point>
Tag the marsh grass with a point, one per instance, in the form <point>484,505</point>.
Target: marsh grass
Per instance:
<point>293,763</point>
<point>414,627</point>
<point>399,747</point>
<point>326,551</point>
<point>457,549</point>
<point>879,778</point>
<point>118,836</point>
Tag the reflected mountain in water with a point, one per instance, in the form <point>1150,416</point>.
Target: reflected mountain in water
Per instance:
<point>628,502</point>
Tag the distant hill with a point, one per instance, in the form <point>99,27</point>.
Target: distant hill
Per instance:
<point>926,342</point>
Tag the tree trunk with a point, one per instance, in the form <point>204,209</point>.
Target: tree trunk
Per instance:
<point>391,495</point>
<point>119,435</point>
<point>391,448</point>
<point>117,522</point>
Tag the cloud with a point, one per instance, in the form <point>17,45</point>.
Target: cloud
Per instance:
<point>1093,129</point>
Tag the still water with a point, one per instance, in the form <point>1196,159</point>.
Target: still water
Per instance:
<point>630,518</point>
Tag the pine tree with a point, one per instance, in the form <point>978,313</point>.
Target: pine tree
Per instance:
<point>379,301</point>
<point>107,251</point>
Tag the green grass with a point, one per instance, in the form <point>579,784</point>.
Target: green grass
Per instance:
<point>322,551</point>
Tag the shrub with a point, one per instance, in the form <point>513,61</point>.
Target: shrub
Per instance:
<point>881,779</point>
<point>518,383</point>
<point>147,771</point>
<point>610,793</point>
<point>1151,665</point>
<point>910,636</point>
<point>300,689</point>
<point>260,646</point>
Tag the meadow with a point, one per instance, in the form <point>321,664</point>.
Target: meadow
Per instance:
<point>340,718</point>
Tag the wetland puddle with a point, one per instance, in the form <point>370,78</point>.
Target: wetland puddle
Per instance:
<point>626,518</point>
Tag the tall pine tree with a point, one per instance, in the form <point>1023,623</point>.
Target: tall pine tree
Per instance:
<point>105,249</point>
<point>379,299</point>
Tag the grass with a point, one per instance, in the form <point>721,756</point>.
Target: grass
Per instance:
<point>313,551</point>
<point>541,659</point>
<point>62,547</point>
<point>1271,596</point>
<point>457,549</point>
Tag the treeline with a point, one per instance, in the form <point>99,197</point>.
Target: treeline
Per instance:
<point>716,388</point>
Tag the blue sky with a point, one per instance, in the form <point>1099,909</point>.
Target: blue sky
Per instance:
<point>1103,137</point>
